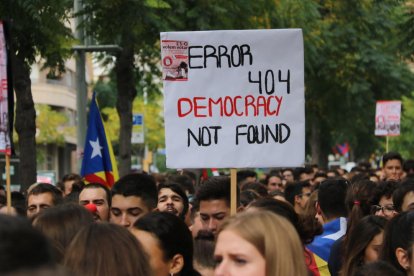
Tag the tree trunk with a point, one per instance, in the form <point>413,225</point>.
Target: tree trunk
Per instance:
<point>25,122</point>
<point>126,94</point>
<point>315,143</point>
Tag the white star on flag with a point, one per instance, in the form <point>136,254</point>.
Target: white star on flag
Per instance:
<point>96,148</point>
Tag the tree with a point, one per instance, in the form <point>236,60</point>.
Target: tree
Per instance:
<point>135,26</point>
<point>39,29</point>
<point>353,57</point>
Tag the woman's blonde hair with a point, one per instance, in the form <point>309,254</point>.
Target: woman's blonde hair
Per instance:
<point>274,237</point>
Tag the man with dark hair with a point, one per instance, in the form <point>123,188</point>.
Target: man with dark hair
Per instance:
<point>98,195</point>
<point>133,196</point>
<point>214,197</point>
<point>42,196</point>
<point>68,181</point>
<point>403,196</point>
<point>297,194</point>
<point>392,166</point>
<point>244,176</point>
<point>331,205</point>
<point>303,173</point>
<point>408,168</point>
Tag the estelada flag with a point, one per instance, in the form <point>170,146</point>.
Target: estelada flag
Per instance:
<point>98,164</point>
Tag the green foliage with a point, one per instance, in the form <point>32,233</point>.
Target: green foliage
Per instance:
<point>404,142</point>
<point>153,122</point>
<point>356,63</point>
<point>40,28</point>
<point>52,126</point>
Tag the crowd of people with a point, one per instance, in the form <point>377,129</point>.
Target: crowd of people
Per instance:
<point>290,221</point>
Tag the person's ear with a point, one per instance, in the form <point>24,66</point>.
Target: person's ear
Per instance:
<point>176,264</point>
<point>318,208</point>
<point>297,199</point>
<point>402,258</point>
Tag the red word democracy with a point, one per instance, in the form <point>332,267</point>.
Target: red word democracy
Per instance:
<point>229,106</point>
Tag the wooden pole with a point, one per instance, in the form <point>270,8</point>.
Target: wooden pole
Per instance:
<point>233,201</point>
<point>8,189</point>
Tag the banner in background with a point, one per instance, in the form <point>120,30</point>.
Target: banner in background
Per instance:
<point>5,133</point>
<point>387,118</point>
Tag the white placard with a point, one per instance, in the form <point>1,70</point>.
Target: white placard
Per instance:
<point>234,99</point>
<point>387,118</point>
<point>137,136</point>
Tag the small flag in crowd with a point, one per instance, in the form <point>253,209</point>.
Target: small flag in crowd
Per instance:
<point>206,173</point>
<point>98,164</point>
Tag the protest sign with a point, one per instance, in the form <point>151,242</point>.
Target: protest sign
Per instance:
<point>5,143</point>
<point>234,99</point>
<point>387,118</point>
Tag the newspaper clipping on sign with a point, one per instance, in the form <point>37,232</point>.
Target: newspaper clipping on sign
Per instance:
<point>387,118</point>
<point>234,99</point>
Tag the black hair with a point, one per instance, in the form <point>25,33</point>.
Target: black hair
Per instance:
<point>216,187</point>
<point>408,166</point>
<point>331,197</point>
<point>358,202</point>
<point>184,181</point>
<point>295,189</point>
<point>21,246</point>
<point>391,156</point>
<point>384,188</point>
<point>95,185</point>
<point>398,234</point>
<point>378,268</point>
<point>258,187</point>
<point>140,185</point>
<point>398,196</point>
<point>358,240</point>
<point>176,188</point>
<point>173,235</point>
<point>42,188</point>
<point>242,175</point>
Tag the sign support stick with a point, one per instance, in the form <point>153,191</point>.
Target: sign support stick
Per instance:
<point>386,145</point>
<point>8,188</point>
<point>233,200</point>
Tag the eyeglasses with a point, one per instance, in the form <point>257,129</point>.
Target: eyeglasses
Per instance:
<point>389,208</point>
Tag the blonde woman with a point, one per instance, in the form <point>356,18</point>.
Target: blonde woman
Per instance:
<point>260,244</point>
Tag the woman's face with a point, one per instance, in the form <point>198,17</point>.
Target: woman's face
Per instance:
<point>236,257</point>
<point>169,201</point>
<point>372,251</point>
<point>153,250</point>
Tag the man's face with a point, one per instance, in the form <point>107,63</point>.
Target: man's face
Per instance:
<point>98,197</point>
<point>39,202</point>
<point>212,214</point>
<point>392,170</point>
<point>288,176</point>
<point>302,199</point>
<point>126,210</point>
<point>408,202</point>
<point>275,184</point>
<point>169,201</point>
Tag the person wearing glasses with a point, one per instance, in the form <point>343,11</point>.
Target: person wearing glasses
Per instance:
<point>382,201</point>
<point>297,194</point>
